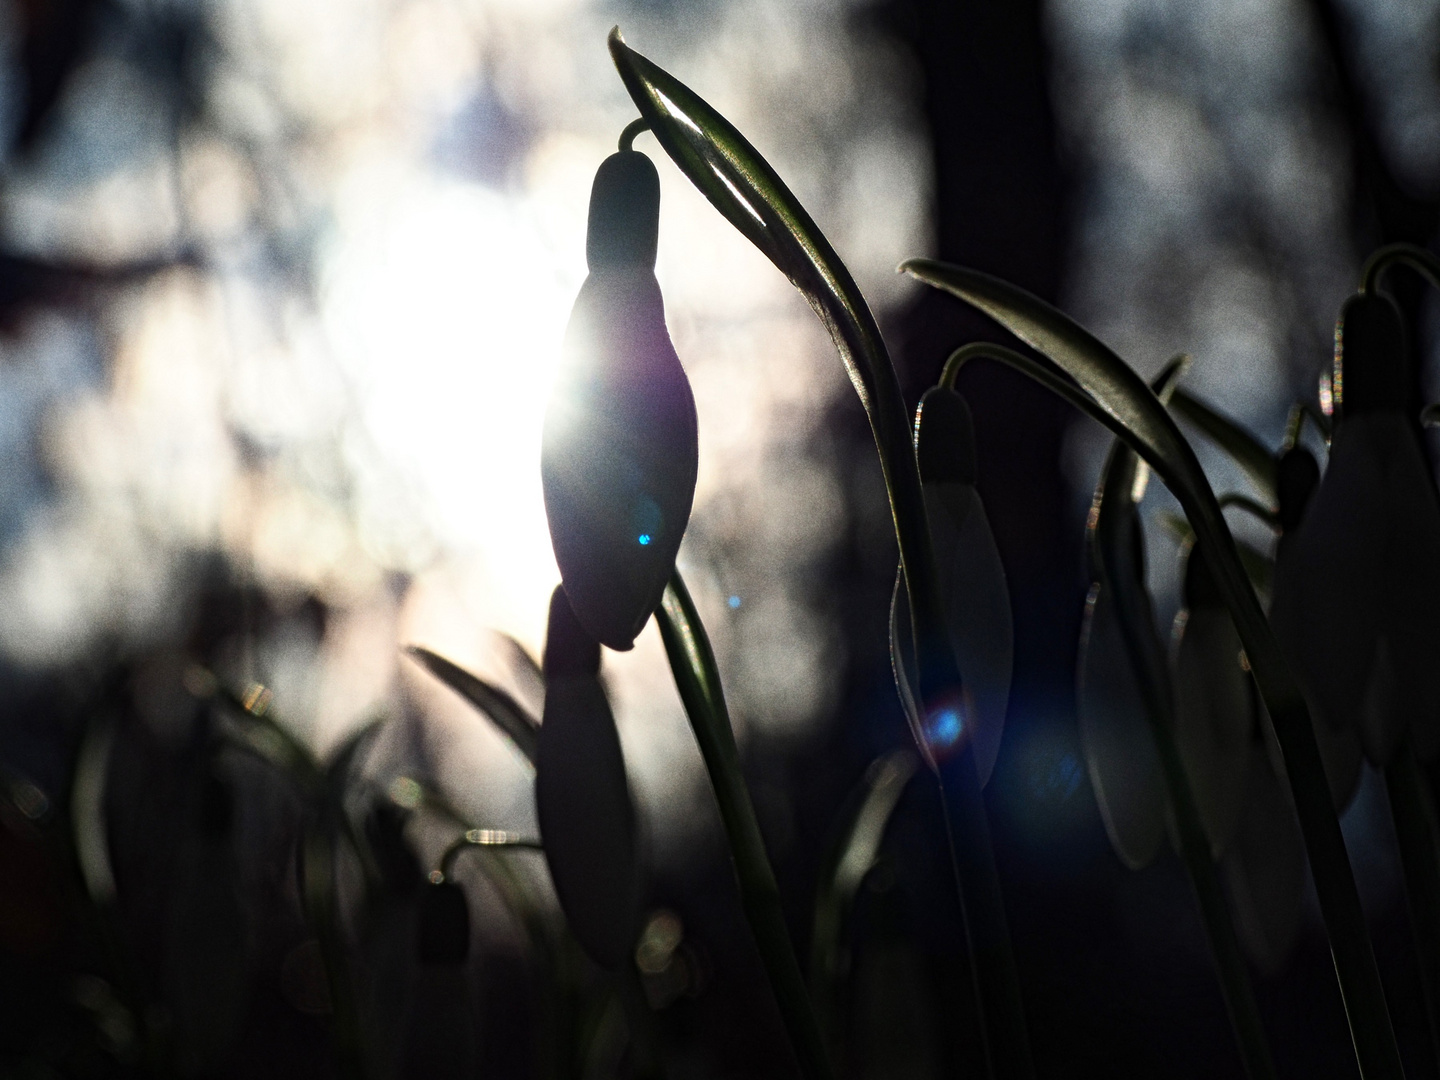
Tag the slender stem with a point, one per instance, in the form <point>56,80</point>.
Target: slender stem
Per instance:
<point>1417,835</point>
<point>645,1043</point>
<point>1194,848</point>
<point>1125,584</point>
<point>1260,512</point>
<point>633,129</point>
<point>698,679</point>
<point>321,911</point>
<point>997,983</point>
<point>1132,411</point>
<point>554,1046</point>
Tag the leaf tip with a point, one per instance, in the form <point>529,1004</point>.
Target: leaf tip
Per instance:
<point>616,41</point>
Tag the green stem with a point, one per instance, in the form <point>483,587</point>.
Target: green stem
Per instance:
<point>318,855</point>
<point>698,679</point>
<point>1124,581</point>
<point>997,983</point>
<point>1194,847</point>
<point>1417,834</point>
<point>645,1043</point>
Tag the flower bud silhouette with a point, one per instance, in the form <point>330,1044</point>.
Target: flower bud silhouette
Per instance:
<point>1298,476</point>
<point>582,797</point>
<point>1265,866</point>
<point>1215,704</point>
<point>1115,709</point>
<point>619,451</point>
<point>1357,591</point>
<point>974,595</point>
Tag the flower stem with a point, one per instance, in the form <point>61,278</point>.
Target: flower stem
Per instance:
<point>1194,848</point>
<point>698,680</point>
<point>997,983</point>
<point>318,860</point>
<point>1417,835</point>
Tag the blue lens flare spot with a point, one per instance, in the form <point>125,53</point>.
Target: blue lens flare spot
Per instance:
<point>734,601</point>
<point>944,728</point>
<point>644,539</point>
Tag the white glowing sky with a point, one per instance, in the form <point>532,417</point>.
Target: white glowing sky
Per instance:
<point>397,406</point>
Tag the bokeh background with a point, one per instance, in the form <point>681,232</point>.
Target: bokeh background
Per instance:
<point>282,290</point>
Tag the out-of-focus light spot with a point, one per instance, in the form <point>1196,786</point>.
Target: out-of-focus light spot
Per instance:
<point>661,937</point>
<point>644,539</point>
<point>405,792</point>
<point>734,602</point>
<point>490,837</point>
<point>944,728</point>
<point>256,699</point>
<point>1327,395</point>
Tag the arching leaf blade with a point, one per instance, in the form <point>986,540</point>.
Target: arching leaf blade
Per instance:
<point>502,710</point>
<point>1242,447</point>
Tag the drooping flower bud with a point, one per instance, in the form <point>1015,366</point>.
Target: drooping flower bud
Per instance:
<point>619,452</point>
<point>1117,713</point>
<point>1215,704</point>
<point>1358,586</point>
<point>1298,476</point>
<point>582,797</point>
<point>973,592</point>
<point>1265,867</point>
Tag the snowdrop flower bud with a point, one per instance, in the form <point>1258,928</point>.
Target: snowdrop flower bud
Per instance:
<point>1215,706</point>
<point>1298,477</point>
<point>1357,593</point>
<point>1116,714</point>
<point>974,596</point>
<point>582,797</point>
<point>619,451</point>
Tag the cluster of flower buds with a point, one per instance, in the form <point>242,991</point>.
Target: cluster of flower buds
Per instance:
<point>582,797</point>
<point>1235,771</point>
<point>973,593</point>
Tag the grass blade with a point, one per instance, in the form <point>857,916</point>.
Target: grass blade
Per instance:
<point>1243,448</point>
<point>851,857</point>
<point>1144,423</point>
<point>1417,832</point>
<point>698,680</point>
<point>502,710</point>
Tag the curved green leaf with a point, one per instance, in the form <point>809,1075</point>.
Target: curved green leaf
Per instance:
<point>697,678</point>
<point>502,710</point>
<point>850,858</point>
<point>1243,448</point>
<point>1259,512</point>
<point>1119,393</point>
<point>1420,260</point>
<point>740,183</point>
